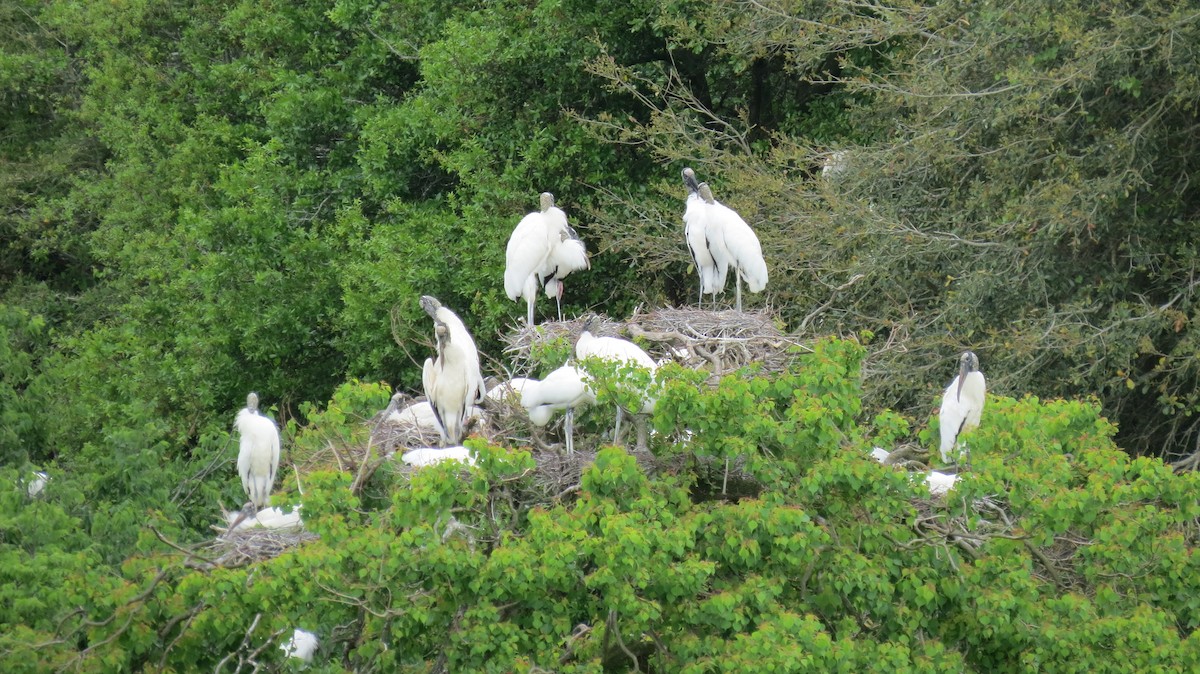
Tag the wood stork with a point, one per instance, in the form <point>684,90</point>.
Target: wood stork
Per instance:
<point>835,164</point>
<point>962,403</point>
<point>447,385</point>
<point>700,244</point>
<point>35,486</point>
<point>258,459</point>
<point>562,389</point>
<point>428,456</point>
<point>462,338</point>
<point>741,249</point>
<point>421,416</point>
<point>266,518</point>
<point>504,390</point>
<point>543,250</point>
<point>620,351</point>
<point>302,645</point>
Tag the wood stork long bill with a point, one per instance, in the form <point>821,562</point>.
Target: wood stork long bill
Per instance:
<point>542,250</point>
<point>562,389</point>
<point>452,381</point>
<point>621,351</point>
<point>962,403</point>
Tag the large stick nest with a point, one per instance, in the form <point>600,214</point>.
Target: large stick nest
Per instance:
<point>719,341</point>
<point>246,546</point>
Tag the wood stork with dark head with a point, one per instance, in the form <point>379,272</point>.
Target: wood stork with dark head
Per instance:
<point>621,351</point>
<point>543,250</point>
<point>562,389</point>
<point>741,249</point>
<point>700,244</point>
<point>962,403</point>
<point>258,458</point>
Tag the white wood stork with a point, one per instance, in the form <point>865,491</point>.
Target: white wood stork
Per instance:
<point>741,249</point>
<point>620,351</point>
<point>301,646</point>
<point>427,456</point>
<point>543,250</point>
<point>562,389</point>
<point>700,244</point>
<point>962,403</point>
<point>447,385</point>
<point>462,337</point>
<point>258,458</point>
<point>512,388</point>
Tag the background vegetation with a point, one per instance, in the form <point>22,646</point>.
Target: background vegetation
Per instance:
<point>204,198</point>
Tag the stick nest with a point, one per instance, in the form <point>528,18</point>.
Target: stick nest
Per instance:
<point>247,546</point>
<point>719,341</point>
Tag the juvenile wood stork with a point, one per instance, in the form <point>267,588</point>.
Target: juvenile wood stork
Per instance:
<point>741,249</point>
<point>258,458</point>
<point>620,351</point>
<point>543,250</point>
<point>700,244</point>
<point>462,337</point>
<point>512,388</point>
<point>962,403</point>
<point>428,456</point>
<point>562,389</point>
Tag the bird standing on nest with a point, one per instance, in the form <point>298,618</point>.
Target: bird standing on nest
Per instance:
<point>452,382</point>
<point>716,232</point>
<point>621,351</point>
<point>258,456</point>
<point>962,403</point>
<point>542,250</point>
<point>562,389</point>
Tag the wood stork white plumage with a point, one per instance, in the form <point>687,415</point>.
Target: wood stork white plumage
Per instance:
<point>35,486</point>
<point>835,164</point>
<point>258,458</point>
<point>513,388</point>
<point>562,389</point>
<point>302,645</point>
<point>622,351</point>
<point>700,244</point>
<point>266,518</point>
<point>741,249</point>
<point>427,456</point>
<point>421,416</point>
<point>962,403</point>
<point>543,250</point>
<point>462,337</point>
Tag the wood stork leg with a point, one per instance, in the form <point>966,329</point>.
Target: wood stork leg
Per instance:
<point>558,302</point>
<point>642,435</point>
<point>617,430</point>
<point>569,429</point>
<point>737,283</point>
<point>725,480</point>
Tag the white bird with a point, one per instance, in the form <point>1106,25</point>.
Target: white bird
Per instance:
<point>880,454</point>
<point>453,382</point>
<point>741,249</point>
<point>513,388</point>
<point>427,456</point>
<point>700,244</point>
<point>302,645</point>
<point>266,518</point>
<point>562,389</point>
<point>37,484</point>
<point>258,459</point>
<point>835,164</point>
<point>940,484</point>
<point>621,351</point>
<point>962,403</point>
<point>543,250</point>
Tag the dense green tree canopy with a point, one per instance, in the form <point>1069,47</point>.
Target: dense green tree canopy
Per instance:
<point>202,198</point>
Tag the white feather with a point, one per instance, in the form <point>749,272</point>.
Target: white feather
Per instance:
<point>960,412</point>
<point>741,249</point>
<point>541,250</point>
<point>258,458</point>
<point>267,518</point>
<point>940,484</point>
<point>695,219</point>
<point>508,389</point>
<point>562,388</point>
<point>302,645</point>
<point>619,350</point>
<point>427,456</point>
<point>37,484</point>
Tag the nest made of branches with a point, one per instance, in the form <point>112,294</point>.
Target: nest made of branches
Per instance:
<point>237,548</point>
<point>719,341</point>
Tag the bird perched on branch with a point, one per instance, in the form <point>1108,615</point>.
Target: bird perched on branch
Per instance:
<point>453,382</point>
<point>962,403</point>
<point>621,351</point>
<point>718,238</point>
<point>543,250</point>
<point>562,389</point>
